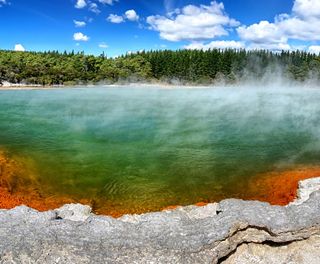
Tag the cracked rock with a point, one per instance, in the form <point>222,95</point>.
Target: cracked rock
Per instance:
<point>232,231</point>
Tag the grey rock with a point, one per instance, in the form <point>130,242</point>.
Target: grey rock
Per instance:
<point>298,252</point>
<point>209,234</point>
<point>74,212</point>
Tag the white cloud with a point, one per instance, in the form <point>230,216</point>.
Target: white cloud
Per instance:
<point>115,19</point>
<point>223,44</point>
<point>314,49</point>
<point>303,23</point>
<point>81,4</point>
<point>131,15</point>
<point>108,2</point>
<point>270,46</point>
<point>93,7</point>
<point>3,2</point>
<point>193,23</point>
<point>79,23</point>
<point>19,47</point>
<point>80,37</point>
<point>306,8</point>
<point>262,32</point>
<point>301,29</point>
<point>103,45</point>
<point>129,52</point>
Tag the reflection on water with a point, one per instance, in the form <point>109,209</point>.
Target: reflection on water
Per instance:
<point>143,149</point>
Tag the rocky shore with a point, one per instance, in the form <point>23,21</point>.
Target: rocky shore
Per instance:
<point>232,231</point>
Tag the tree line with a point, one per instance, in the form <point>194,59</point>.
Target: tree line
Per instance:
<point>185,66</point>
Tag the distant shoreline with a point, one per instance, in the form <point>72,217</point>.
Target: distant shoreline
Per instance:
<point>163,85</point>
<point>6,88</point>
<point>48,87</point>
<point>18,86</point>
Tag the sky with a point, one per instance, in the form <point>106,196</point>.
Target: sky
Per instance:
<point>117,27</point>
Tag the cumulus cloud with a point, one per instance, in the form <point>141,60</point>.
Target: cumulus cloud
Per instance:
<point>223,44</point>
<point>303,23</point>
<point>193,23</point>
<point>314,49</point>
<point>306,8</point>
<point>129,52</point>
<point>264,35</point>
<point>80,37</point>
<point>131,15</point>
<point>115,19</point>
<point>301,29</point>
<point>81,4</point>
<point>93,7</point>
<point>79,23</point>
<point>19,47</point>
<point>270,46</point>
<point>262,32</point>
<point>103,45</point>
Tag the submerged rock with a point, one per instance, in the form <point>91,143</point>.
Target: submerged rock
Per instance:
<point>232,231</point>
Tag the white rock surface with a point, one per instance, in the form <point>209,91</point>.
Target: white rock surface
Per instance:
<point>74,212</point>
<point>233,231</point>
<point>299,252</point>
<point>306,187</point>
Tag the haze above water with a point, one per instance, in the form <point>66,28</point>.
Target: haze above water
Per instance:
<point>151,147</point>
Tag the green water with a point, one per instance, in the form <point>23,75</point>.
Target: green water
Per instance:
<point>150,148</point>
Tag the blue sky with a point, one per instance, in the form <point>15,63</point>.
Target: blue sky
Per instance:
<point>121,26</point>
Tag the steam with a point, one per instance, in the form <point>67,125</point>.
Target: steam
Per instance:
<point>177,145</point>
<point>254,74</point>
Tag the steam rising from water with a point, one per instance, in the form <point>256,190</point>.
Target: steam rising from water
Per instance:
<point>151,147</point>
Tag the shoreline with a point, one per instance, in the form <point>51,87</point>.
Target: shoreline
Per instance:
<point>128,85</point>
<point>164,85</point>
<point>28,87</point>
<point>19,185</point>
<point>228,232</point>
<point>216,233</point>
<point>275,188</point>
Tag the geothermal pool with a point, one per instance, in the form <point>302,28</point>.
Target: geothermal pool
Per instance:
<point>133,150</point>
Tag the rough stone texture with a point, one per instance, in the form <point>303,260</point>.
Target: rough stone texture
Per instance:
<point>229,231</point>
<point>302,252</point>
<point>307,187</point>
<point>74,212</point>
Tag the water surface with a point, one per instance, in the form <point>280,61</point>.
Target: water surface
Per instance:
<point>142,149</point>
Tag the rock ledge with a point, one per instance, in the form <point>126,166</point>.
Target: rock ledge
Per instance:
<point>232,231</point>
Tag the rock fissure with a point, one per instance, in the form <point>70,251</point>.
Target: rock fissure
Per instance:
<point>270,243</point>
<point>233,231</point>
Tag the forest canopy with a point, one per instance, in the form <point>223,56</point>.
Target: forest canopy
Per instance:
<point>185,66</point>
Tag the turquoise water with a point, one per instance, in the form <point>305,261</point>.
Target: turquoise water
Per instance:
<point>151,147</point>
